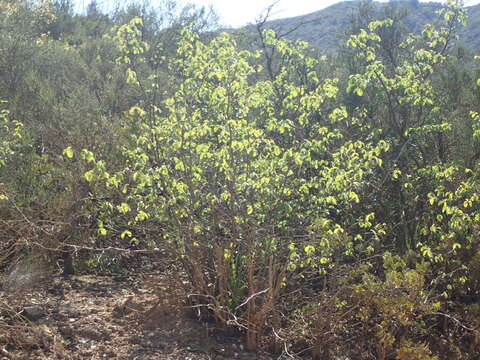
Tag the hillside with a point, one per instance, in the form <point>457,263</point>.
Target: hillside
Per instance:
<point>324,28</point>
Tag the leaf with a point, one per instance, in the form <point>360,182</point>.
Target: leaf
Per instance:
<point>68,152</point>
<point>126,233</point>
<point>88,156</point>
<point>309,250</point>
<point>427,252</point>
<point>179,166</point>
<point>141,216</point>
<point>123,208</point>
<point>88,176</point>
<point>353,196</point>
<point>131,77</point>
<point>358,92</point>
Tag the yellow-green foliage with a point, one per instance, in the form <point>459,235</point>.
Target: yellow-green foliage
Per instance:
<point>242,168</point>
<point>10,133</point>
<point>394,310</point>
<point>262,179</point>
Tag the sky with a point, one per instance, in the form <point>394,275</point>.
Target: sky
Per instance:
<point>237,13</point>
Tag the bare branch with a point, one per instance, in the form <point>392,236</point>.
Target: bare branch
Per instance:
<point>263,18</point>
<point>455,320</point>
<point>251,297</point>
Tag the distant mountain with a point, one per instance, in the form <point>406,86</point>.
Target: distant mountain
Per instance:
<point>324,28</point>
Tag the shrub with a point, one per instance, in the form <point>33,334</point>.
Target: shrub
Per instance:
<point>243,175</point>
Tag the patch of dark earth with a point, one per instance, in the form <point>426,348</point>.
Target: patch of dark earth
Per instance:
<point>107,317</point>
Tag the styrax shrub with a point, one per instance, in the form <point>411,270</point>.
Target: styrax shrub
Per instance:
<point>243,175</point>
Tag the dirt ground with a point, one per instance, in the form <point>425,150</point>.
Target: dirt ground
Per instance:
<point>106,317</point>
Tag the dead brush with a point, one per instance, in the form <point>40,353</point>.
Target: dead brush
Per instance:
<point>320,328</point>
<point>167,305</point>
<point>11,231</point>
<point>18,333</point>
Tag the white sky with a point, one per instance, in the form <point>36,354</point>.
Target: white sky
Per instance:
<point>240,12</point>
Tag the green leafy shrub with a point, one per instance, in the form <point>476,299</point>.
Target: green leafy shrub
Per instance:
<point>241,174</point>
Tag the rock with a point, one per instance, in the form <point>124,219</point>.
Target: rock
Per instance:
<point>68,311</point>
<point>89,332</point>
<point>86,354</point>
<point>125,306</point>
<point>56,288</point>
<point>65,330</point>
<point>33,313</point>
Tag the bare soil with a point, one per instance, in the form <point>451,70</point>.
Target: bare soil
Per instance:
<point>107,317</point>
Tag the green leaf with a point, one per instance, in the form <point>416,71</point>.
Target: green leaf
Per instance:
<point>126,233</point>
<point>88,176</point>
<point>68,152</point>
<point>87,156</point>
<point>123,208</point>
<point>353,196</point>
<point>309,250</point>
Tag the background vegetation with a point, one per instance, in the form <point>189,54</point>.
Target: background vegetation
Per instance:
<point>321,206</point>
<point>327,29</point>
